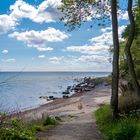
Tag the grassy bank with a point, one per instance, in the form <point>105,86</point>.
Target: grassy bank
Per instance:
<point>15,129</point>
<point>122,128</point>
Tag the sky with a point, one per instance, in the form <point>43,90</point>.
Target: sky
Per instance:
<point>32,38</point>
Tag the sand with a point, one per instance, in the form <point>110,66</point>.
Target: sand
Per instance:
<point>76,113</point>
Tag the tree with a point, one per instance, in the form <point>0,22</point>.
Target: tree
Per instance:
<point>115,75</point>
<point>76,11</point>
<point>139,3</point>
<point>128,49</point>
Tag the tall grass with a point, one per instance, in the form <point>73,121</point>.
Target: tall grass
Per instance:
<point>122,128</point>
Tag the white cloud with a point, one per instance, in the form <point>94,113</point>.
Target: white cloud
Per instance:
<point>44,49</point>
<point>11,60</point>
<point>97,49</point>
<point>106,37</point>
<point>98,45</point>
<point>93,58</point>
<point>123,15</point>
<point>39,39</point>
<point>41,56</point>
<point>5,51</point>
<point>106,29</point>
<point>46,12</point>
<point>56,60</point>
<point>7,23</point>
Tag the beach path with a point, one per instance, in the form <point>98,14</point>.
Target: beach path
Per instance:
<point>78,121</point>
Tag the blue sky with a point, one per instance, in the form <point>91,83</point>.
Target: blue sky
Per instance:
<point>34,39</point>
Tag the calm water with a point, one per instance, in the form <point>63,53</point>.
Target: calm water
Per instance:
<point>22,90</point>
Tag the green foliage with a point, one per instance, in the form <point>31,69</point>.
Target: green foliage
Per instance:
<point>49,121</point>
<point>15,129</point>
<point>122,128</point>
<point>135,50</point>
<point>75,12</point>
<point>125,33</point>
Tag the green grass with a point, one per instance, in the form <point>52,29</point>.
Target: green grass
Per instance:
<point>122,128</point>
<point>16,129</point>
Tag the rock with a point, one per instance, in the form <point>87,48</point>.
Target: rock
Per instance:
<point>69,87</point>
<point>91,86</point>
<point>87,89</point>
<point>58,118</point>
<point>43,97</point>
<point>51,97</point>
<point>66,92</point>
<point>65,96</point>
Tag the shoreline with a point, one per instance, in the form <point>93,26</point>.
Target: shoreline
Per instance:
<point>44,109</point>
<point>50,108</point>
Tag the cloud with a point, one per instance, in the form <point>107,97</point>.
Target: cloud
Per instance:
<point>44,49</point>
<point>98,45</point>
<point>87,49</point>
<point>97,51</point>
<point>56,60</point>
<point>123,15</point>
<point>106,29</point>
<point>7,23</point>
<point>11,60</point>
<point>93,58</point>
<point>41,56</point>
<point>47,11</point>
<point>106,37</point>
<point>39,39</point>
<point>5,51</point>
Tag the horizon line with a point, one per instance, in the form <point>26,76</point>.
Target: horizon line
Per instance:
<point>58,71</point>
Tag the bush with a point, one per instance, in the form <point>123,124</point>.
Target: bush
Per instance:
<point>49,121</point>
<point>122,128</point>
<point>16,130</point>
<point>129,103</point>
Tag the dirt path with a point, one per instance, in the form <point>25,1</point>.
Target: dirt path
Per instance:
<point>78,122</point>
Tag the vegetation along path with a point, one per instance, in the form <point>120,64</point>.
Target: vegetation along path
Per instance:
<point>78,122</point>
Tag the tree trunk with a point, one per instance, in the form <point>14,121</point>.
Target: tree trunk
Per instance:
<point>115,74</point>
<point>130,62</point>
<point>139,3</point>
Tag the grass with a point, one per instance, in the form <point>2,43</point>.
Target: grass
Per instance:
<point>16,129</point>
<point>122,128</point>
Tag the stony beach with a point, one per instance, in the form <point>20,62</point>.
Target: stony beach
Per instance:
<point>85,88</point>
<point>76,114</point>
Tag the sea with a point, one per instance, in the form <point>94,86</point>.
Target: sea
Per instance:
<point>22,90</point>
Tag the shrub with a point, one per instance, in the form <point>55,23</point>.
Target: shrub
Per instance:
<point>16,130</point>
<point>38,128</point>
<point>49,121</point>
<point>122,128</point>
<point>129,103</point>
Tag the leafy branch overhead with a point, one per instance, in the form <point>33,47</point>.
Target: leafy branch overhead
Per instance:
<point>76,12</point>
